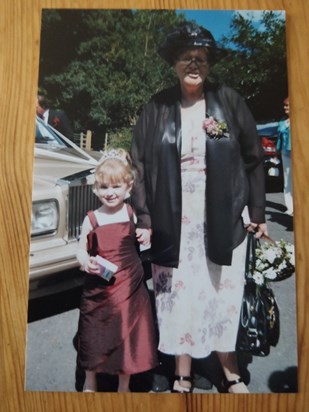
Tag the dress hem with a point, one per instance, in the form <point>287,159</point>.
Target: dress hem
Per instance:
<point>198,356</point>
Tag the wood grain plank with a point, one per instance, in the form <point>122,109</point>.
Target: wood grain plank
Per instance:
<point>19,56</point>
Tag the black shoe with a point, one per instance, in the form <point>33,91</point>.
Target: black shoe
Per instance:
<point>201,382</point>
<point>178,387</point>
<point>227,384</point>
<point>160,383</point>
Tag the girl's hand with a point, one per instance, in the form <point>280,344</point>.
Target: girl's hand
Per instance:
<point>91,266</point>
<point>260,229</point>
<point>143,236</point>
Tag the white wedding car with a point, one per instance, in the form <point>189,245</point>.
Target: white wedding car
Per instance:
<point>61,196</point>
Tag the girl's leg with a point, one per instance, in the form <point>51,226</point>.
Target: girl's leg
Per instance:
<point>90,384</point>
<point>183,370</point>
<point>123,383</point>
<point>229,364</point>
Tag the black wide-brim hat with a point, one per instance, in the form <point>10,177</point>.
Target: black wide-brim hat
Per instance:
<point>188,35</point>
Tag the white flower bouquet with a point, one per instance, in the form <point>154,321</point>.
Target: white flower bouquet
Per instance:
<point>274,261</point>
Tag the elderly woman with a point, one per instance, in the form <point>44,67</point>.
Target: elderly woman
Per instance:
<point>199,166</point>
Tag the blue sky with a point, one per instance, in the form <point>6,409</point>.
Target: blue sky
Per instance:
<point>218,21</point>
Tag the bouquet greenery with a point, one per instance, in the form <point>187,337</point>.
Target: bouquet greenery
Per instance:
<point>275,261</point>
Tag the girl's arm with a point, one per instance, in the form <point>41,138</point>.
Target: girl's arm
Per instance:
<point>88,263</point>
<point>143,236</point>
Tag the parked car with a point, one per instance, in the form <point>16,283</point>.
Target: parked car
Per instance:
<point>61,196</point>
<point>268,133</point>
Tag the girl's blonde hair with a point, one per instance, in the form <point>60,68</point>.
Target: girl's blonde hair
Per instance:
<point>115,166</point>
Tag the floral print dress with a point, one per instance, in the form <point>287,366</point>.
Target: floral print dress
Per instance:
<point>198,304</point>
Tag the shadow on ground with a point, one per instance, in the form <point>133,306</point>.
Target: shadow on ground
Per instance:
<point>275,213</point>
<point>283,381</point>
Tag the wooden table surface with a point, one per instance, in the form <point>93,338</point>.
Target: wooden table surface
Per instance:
<point>19,57</point>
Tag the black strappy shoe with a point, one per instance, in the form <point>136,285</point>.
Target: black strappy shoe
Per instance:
<point>227,384</point>
<point>178,388</point>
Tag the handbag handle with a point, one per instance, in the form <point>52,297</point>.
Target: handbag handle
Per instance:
<point>250,254</point>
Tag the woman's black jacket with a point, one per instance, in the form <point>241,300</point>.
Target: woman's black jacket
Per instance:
<point>235,174</point>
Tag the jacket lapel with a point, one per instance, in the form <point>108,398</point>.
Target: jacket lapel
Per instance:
<point>218,188</point>
<point>214,107</point>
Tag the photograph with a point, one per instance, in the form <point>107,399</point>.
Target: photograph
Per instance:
<point>162,254</point>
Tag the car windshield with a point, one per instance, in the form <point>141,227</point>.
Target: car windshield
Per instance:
<point>48,138</point>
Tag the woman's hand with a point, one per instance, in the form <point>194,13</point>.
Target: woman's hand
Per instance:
<point>260,229</point>
<point>143,236</point>
<point>91,266</point>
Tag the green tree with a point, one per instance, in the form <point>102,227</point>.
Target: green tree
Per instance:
<point>113,67</point>
<point>255,63</point>
<point>101,66</point>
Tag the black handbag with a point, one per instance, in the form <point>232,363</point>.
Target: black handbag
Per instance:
<point>259,325</point>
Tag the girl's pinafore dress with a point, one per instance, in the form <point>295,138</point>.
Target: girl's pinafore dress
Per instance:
<point>116,327</point>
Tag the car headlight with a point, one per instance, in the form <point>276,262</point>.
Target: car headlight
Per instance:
<point>44,217</point>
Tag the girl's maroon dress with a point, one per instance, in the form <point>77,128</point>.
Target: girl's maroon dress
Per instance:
<point>116,328</point>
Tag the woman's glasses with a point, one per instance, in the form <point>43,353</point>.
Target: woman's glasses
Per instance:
<point>187,61</point>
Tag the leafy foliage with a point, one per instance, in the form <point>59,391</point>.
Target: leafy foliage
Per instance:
<point>255,64</point>
<point>115,68</point>
<point>101,66</point>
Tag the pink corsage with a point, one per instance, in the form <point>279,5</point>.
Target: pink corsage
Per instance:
<point>213,128</point>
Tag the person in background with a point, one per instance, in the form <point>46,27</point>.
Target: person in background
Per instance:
<point>284,146</point>
<point>116,334</point>
<point>56,118</point>
<point>199,164</point>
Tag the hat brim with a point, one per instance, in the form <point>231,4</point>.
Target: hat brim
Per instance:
<point>169,52</point>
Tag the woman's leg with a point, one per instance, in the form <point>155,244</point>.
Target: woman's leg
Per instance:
<point>90,384</point>
<point>123,383</point>
<point>183,369</point>
<point>229,364</point>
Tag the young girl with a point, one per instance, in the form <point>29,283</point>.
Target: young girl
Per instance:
<point>116,332</point>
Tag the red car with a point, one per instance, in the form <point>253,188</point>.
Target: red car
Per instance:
<point>268,133</point>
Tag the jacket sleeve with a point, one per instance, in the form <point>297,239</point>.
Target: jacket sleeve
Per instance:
<point>253,157</point>
<point>139,195</point>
